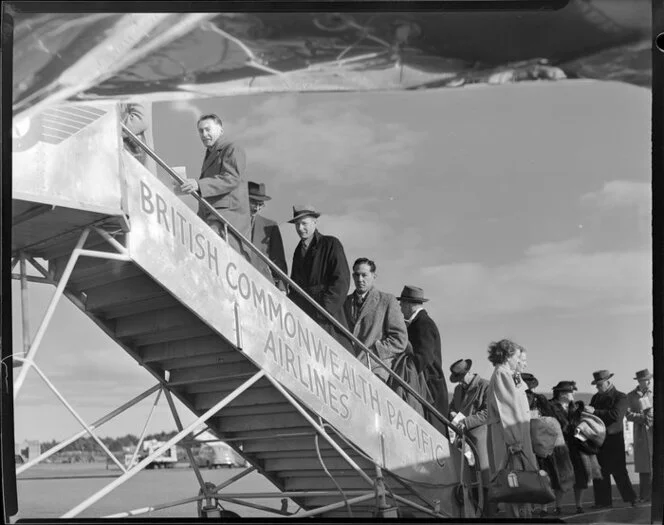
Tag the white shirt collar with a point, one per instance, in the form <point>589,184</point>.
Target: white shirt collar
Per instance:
<point>417,311</point>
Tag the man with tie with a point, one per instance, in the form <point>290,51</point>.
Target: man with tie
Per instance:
<point>320,268</point>
<point>374,318</point>
<point>222,182</point>
<point>424,337</point>
<point>265,235</point>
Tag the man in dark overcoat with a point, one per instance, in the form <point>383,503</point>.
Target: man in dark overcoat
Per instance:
<point>610,405</point>
<point>222,182</point>
<point>424,337</point>
<point>265,235</point>
<point>320,268</point>
<point>469,399</point>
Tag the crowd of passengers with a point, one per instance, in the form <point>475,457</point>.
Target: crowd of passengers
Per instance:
<point>503,416</point>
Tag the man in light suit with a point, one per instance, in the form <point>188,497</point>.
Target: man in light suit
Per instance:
<point>424,336</point>
<point>374,318</point>
<point>266,236</point>
<point>222,182</point>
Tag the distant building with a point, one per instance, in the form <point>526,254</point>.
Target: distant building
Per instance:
<point>32,447</point>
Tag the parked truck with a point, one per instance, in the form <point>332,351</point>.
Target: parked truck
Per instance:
<point>167,460</point>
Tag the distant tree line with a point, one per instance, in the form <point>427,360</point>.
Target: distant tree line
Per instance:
<point>88,445</point>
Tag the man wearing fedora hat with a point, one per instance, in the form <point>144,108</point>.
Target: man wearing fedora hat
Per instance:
<point>469,399</point>
<point>424,337</point>
<point>320,268</point>
<point>265,235</point>
<point>640,412</point>
<point>222,183</point>
<point>610,405</point>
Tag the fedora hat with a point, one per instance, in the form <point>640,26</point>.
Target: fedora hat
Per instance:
<point>643,374</point>
<point>565,386</point>
<point>530,380</point>
<point>257,191</point>
<point>303,210</point>
<point>412,294</point>
<point>601,375</point>
<point>459,369</point>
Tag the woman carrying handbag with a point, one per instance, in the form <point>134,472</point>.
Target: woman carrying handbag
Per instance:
<point>509,424</point>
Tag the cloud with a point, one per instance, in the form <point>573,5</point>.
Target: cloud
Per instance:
<point>556,276</point>
<point>311,143</point>
<point>619,194</point>
<point>188,108</point>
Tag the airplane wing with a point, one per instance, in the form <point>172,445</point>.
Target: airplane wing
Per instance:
<point>168,56</point>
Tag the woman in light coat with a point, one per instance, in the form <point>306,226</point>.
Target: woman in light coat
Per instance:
<point>509,414</point>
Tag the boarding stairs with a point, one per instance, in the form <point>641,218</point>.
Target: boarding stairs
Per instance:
<point>217,334</point>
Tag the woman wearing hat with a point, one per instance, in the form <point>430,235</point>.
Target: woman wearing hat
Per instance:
<point>640,412</point>
<point>544,425</point>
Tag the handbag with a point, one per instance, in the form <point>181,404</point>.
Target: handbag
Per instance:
<point>520,485</point>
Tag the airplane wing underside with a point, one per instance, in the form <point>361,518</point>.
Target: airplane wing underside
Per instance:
<point>61,57</point>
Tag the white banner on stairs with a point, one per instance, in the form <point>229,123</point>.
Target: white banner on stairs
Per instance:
<point>180,251</point>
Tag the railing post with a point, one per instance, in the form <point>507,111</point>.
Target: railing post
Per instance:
<point>29,359</point>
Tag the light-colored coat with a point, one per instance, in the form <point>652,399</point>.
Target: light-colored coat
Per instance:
<point>380,326</point>
<point>509,424</point>
<point>472,403</point>
<point>643,430</point>
<point>508,417</point>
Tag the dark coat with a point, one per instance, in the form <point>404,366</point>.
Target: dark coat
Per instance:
<point>265,235</point>
<point>324,275</point>
<point>471,402</point>
<point>424,337</point>
<point>579,452</point>
<point>540,403</point>
<point>611,407</point>
<point>223,185</point>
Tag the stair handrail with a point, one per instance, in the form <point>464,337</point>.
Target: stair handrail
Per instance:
<point>428,406</point>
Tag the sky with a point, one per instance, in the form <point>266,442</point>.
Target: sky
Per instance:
<point>523,211</point>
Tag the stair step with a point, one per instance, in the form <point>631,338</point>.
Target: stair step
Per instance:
<point>194,347</point>
<point>158,321</point>
<point>257,410</point>
<point>109,271</point>
<point>157,302</point>
<point>196,330</point>
<point>204,360</point>
<point>122,293</point>
<point>353,482</point>
<point>224,387</point>
<point>312,463</point>
<point>254,396</point>
<point>251,423</point>
<point>290,445</point>
<point>214,372</point>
